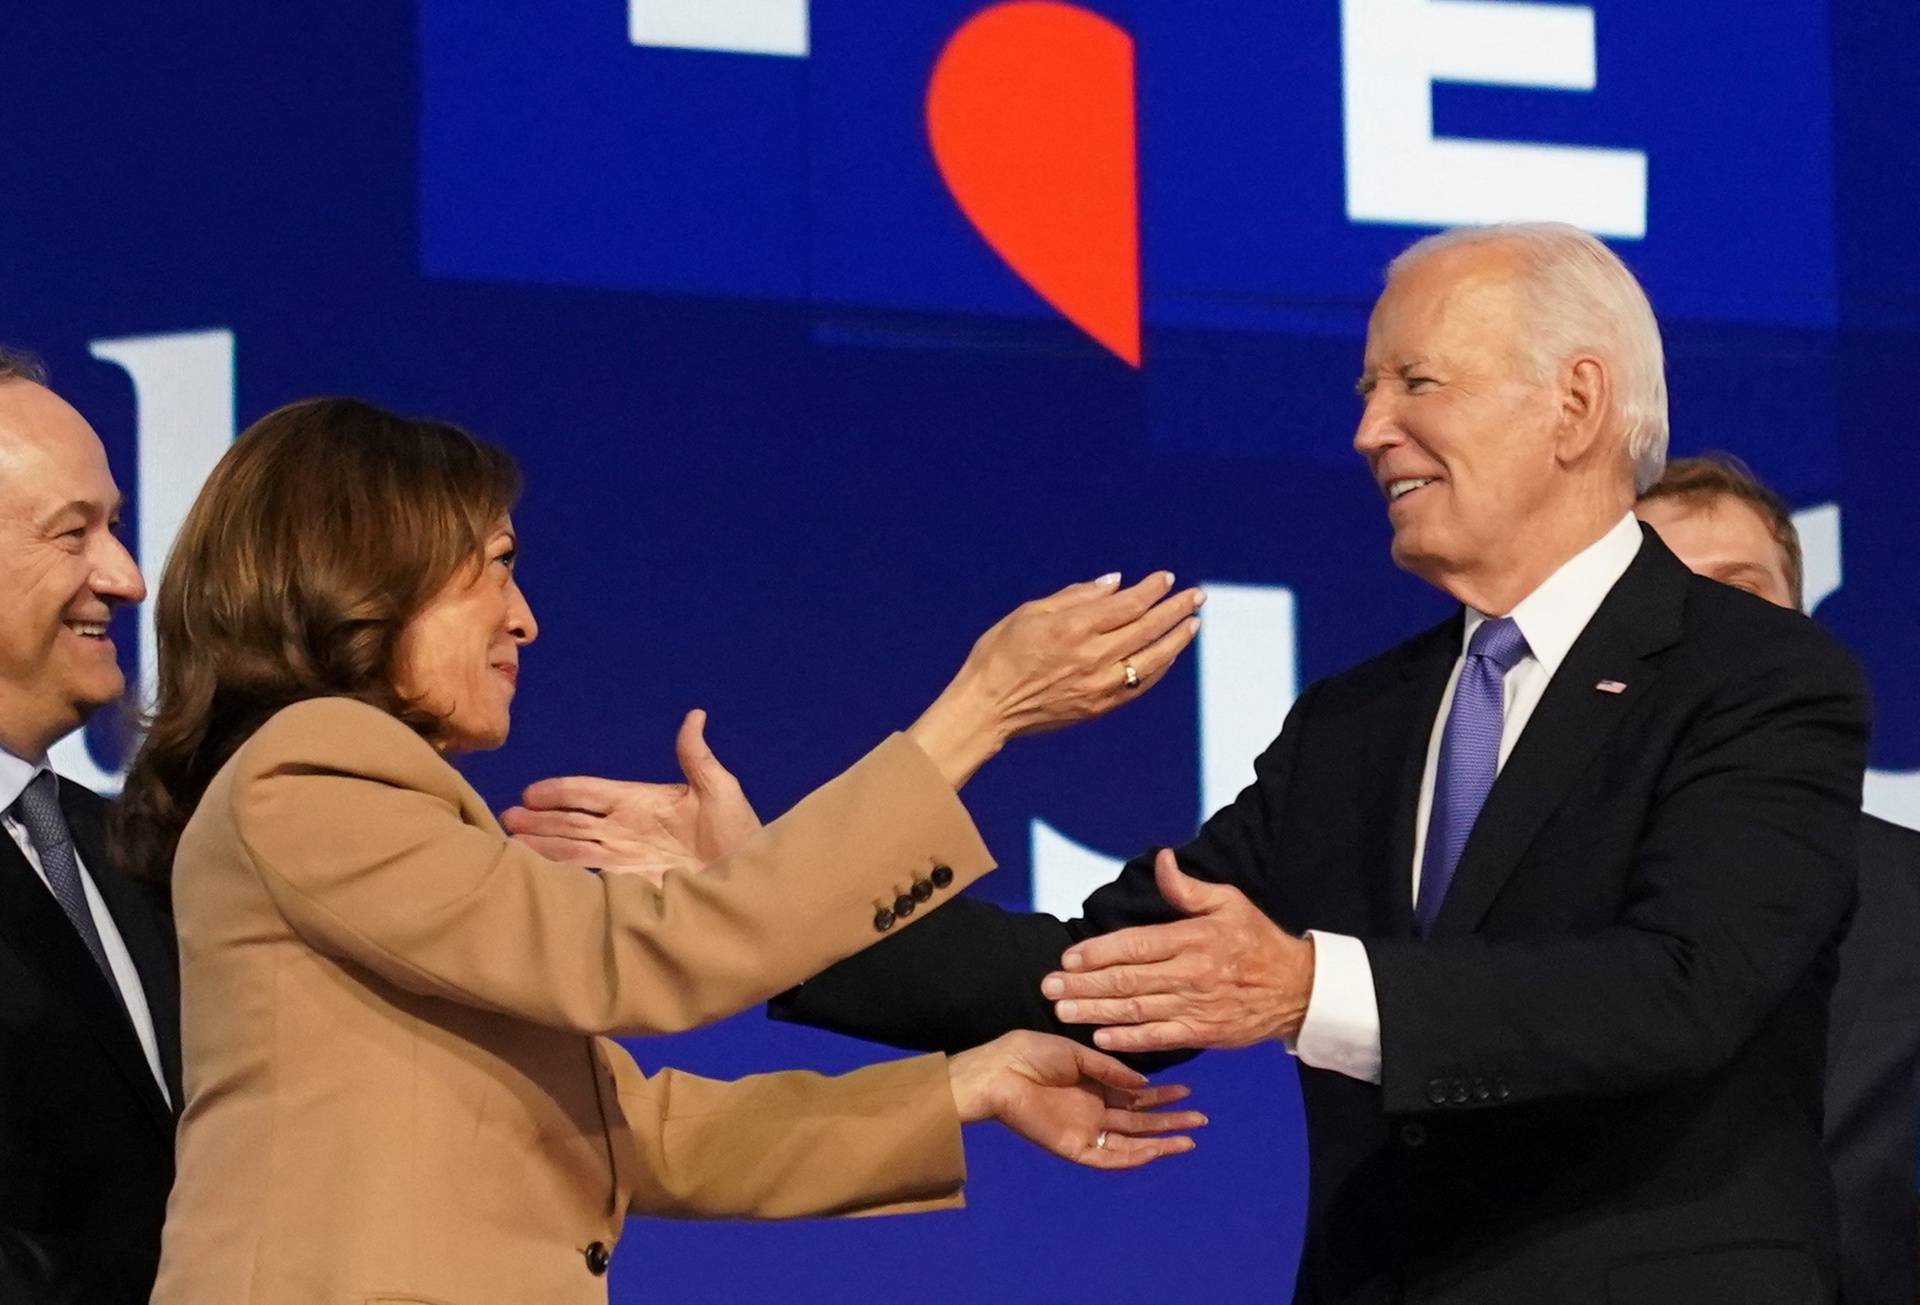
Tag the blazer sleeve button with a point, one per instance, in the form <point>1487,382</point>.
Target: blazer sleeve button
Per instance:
<point>1437,1091</point>
<point>903,906</point>
<point>598,1258</point>
<point>882,920</point>
<point>922,889</point>
<point>942,876</point>
<point>1459,1094</point>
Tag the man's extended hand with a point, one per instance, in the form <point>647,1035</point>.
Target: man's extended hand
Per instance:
<point>1225,977</point>
<point>646,828</point>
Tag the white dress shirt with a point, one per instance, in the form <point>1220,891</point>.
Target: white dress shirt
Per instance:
<point>15,775</point>
<point>1341,1029</point>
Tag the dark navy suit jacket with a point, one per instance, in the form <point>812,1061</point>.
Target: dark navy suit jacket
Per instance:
<point>86,1138</point>
<point>1873,1071</point>
<point>1602,1072</point>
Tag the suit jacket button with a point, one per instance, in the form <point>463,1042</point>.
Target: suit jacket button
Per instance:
<point>1437,1091</point>
<point>1500,1091</point>
<point>922,889</point>
<point>1481,1091</point>
<point>882,920</point>
<point>942,876</point>
<point>1459,1094</point>
<point>598,1257</point>
<point>903,906</point>
<point>1413,1135</point>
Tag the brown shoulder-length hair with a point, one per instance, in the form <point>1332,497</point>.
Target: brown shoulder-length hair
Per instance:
<point>323,531</point>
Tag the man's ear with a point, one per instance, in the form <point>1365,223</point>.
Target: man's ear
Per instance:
<point>1586,393</point>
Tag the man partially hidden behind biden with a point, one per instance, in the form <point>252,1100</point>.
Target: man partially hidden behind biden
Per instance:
<point>1724,523</point>
<point>1544,899</point>
<point>89,1025</point>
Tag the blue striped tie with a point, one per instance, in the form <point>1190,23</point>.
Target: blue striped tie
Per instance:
<point>1469,758</point>
<point>39,810</point>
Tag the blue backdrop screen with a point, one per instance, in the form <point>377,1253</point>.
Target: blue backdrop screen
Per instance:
<point>802,411</point>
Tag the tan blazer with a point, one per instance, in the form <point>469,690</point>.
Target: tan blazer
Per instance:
<point>397,1088</point>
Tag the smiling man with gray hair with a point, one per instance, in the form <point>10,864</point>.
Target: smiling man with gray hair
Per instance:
<point>1544,899</point>
<point>89,1041</point>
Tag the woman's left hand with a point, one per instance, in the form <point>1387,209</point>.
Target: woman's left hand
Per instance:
<point>1076,1102</point>
<point>650,829</point>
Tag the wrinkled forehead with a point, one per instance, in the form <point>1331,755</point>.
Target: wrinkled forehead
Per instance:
<point>48,452</point>
<point>1453,300</point>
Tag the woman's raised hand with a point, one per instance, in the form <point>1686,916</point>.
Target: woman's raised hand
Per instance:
<point>1048,663</point>
<point>1076,1102</point>
<point>1060,659</point>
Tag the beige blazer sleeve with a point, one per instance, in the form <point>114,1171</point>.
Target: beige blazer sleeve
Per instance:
<point>884,1139</point>
<point>375,850</point>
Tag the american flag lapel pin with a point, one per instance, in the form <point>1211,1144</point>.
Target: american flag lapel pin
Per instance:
<point>1611,686</point>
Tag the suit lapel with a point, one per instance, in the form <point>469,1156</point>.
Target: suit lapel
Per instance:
<point>1639,617</point>
<point>143,927</point>
<point>46,942</point>
<point>1861,950</point>
<point>1875,937</point>
<point>1404,731</point>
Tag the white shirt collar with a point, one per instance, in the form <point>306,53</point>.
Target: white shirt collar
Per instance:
<point>15,775</point>
<point>1553,615</point>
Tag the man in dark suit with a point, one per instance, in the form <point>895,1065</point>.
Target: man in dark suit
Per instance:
<point>1572,864</point>
<point>89,1026</point>
<point>1545,900</point>
<point>1722,522</point>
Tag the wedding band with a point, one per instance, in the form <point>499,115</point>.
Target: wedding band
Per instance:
<point>1100,1142</point>
<point>1133,676</point>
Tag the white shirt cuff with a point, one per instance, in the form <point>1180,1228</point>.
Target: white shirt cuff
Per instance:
<point>1341,1031</point>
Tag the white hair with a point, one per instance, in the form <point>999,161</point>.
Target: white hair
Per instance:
<point>1584,300</point>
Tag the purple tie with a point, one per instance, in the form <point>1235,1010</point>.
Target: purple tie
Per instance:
<point>39,810</point>
<point>1469,758</point>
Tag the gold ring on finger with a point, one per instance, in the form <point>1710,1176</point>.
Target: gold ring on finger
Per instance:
<point>1133,676</point>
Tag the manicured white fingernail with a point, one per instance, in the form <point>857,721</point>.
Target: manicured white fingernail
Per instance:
<point>1110,578</point>
<point>1199,597</point>
<point>1169,576</point>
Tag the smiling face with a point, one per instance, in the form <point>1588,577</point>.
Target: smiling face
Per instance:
<point>1494,473</point>
<point>1723,539</point>
<point>1457,434</point>
<point>62,570</point>
<point>460,655</point>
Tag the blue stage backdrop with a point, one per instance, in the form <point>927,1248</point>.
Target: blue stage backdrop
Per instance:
<point>828,331</point>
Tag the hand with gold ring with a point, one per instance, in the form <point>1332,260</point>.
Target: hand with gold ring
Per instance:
<point>1076,1102</point>
<point>1051,662</point>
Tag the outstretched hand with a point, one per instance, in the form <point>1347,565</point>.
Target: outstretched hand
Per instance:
<point>1071,656</point>
<point>1227,976</point>
<point>621,825</point>
<point>1072,1100</point>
